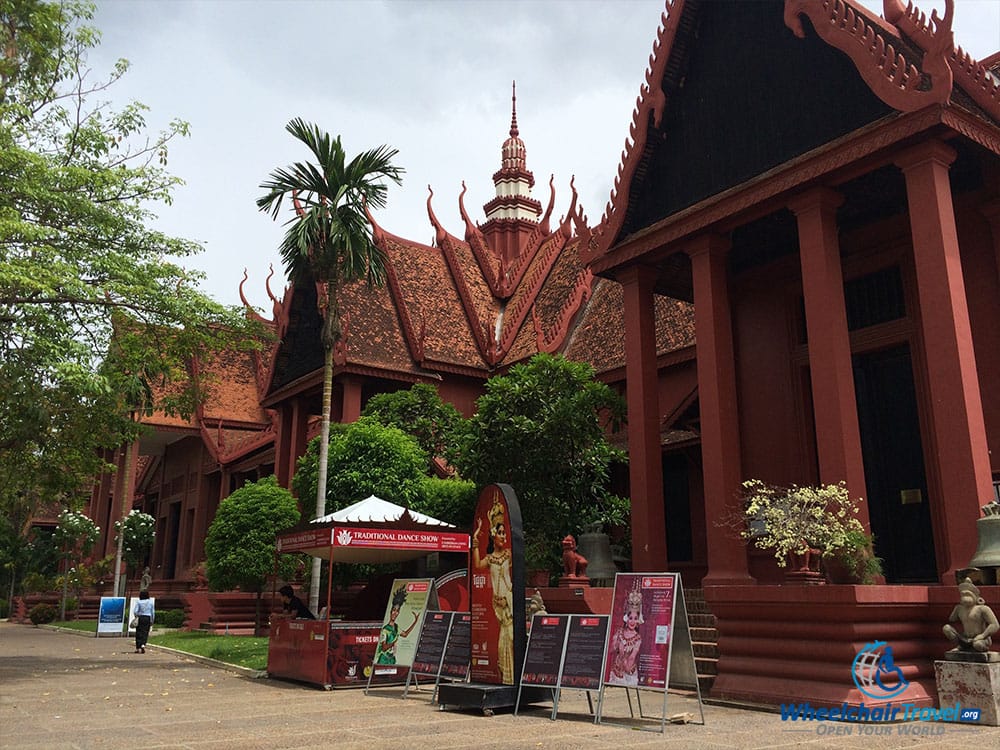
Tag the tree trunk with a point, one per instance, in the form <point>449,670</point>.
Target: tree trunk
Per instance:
<point>256,617</point>
<point>126,502</point>
<point>324,455</point>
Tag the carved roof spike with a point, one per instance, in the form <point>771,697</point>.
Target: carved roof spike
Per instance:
<point>543,225</point>
<point>250,311</point>
<point>267,284</point>
<point>439,232</point>
<point>378,234</point>
<point>564,226</point>
<point>513,109</point>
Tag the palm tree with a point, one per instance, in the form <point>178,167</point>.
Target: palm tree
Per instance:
<point>329,241</point>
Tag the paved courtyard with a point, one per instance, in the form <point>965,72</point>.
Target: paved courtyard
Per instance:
<point>60,690</point>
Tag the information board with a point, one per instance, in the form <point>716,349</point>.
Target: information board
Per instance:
<point>543,656</point>
<point>111,615</point>
<point>584,652</point>
<point>133,602</point>
<point>409,599</point>
<point>458,652</point>
<point>430,647</point>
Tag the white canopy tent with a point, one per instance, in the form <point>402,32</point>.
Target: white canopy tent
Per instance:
<point>376,510</point>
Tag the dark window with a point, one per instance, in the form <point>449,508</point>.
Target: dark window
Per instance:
<point>875,298</point>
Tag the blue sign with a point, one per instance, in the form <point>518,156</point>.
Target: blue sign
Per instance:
<point>875,673</point>
<point>111,616</point>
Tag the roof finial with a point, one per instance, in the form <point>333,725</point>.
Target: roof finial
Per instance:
<point>513,109</point>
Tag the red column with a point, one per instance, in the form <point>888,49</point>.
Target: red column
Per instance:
<point>720,438</point>
<point>352,398</point>
<point>838,439</point>
<point>956,411</point>
<point>645,468</point>
<point>283,461</point>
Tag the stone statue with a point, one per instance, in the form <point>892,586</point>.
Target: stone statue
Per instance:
<point>978,621</point>
<point>536,605</point>
<point>145,580</point>
<point>574,564</point>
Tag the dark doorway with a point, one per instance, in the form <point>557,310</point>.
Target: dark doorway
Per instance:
<point>677,507</point>
<point>173,530</point>
<point>894,465</point>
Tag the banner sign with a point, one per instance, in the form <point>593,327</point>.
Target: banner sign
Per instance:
<point>497,571</point>
<point>543,656</point>
<point>111,616</point>
<point>638,647</point>
<point>458,651</point>
<point>397,640</point>
<point>430,647</point>
<point>432,541</point>
<point>308,539</point>
<point>584,652</point>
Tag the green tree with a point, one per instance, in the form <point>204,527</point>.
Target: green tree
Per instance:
<point>75,536</point>
<point>365,458</point>
<point>543,429</point>
<point>135,534</point>
<point>80,265</point>
<point>329,241</point>
<point>241,542</point>
<point>420,412</point>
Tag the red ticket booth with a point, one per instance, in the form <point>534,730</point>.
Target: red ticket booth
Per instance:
<point>337,653</point>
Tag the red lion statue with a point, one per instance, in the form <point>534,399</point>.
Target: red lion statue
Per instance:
<point>574,564</point>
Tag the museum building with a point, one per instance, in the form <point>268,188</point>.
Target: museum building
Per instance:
<point>809,191</point>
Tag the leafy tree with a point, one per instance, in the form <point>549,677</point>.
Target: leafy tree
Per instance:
<point>75,536</point>
<point>543,429</point>
<point>329,241</point>
<point>136,534</point>
<point>240,545</point>
<point>420,412</point>
<point>80,265</point>
<point>365,458</point>
<point>452,500</point>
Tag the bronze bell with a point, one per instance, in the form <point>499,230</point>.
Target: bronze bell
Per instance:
<point>596,547</point>
<point>987,557</point>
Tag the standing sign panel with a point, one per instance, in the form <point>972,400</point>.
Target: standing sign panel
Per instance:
<point>111,616</point>
<point>397,641</point>
<point>458,652</point>
<point>543,656</point>
<point>646,609</point>
<point>430,647</point>
<point>133,602</point>
<point>497,554</point>
<point>584,652</point>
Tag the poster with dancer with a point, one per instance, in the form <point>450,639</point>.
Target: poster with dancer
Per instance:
<point>399,635</point>
<point>497,572</point>
<point>638,649</point>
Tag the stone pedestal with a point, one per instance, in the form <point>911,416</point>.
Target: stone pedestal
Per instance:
<point>574,582</point>
<point>973,685</point>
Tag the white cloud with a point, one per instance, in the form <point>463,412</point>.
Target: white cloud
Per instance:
<point>429,78</point>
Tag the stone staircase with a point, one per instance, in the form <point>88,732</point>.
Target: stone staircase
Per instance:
<point>704,638</point>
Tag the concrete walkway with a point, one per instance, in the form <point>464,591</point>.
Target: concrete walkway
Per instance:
<point>59,690</point>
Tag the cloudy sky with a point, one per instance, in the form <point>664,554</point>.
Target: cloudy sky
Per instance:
<point>432,79</point>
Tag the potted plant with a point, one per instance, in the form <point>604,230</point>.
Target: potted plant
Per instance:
<point>801,525</point>
<point>854,560</point>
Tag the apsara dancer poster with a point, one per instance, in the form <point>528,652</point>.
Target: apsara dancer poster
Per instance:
<point>397,642</point>
<point>638,649</point>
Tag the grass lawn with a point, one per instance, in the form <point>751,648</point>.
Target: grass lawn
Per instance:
<point>242,650</point>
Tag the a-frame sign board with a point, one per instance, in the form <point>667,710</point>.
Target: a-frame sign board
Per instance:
<point>430,650</point>
<point>409,601</point>
<point>649,642</point>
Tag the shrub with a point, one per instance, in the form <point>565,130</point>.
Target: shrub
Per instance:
<point>36,583</point>
<point>449,500</point>
<point>4,609</point>
<point>41,614</point>
<point>170,618</point>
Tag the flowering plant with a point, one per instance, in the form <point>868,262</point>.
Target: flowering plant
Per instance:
<point>139,531</point>
<point>796,520</point>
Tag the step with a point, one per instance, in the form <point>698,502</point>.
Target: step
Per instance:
<point>705,635</point>
<point>706,650</point>
<point>701,621</point>
<point>706,666</point>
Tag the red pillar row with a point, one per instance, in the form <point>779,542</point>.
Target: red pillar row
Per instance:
<point>720,440</point>
<point>956,413</point>
<point>838,438</point>
<point>649,536</point>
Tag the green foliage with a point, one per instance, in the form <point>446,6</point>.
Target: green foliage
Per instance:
<point>139,531</point>
<point>244,651</point>
<point>240,545</point>
<point>542,428</point>
<point>4,609</point>
<point>170,618</point>
<point>75,534</point>
<point>420,412</point>
<point>449,500</point>
<point>857,555</point>
<point>81,267</point>
<point>36,583</point>
<point>42,614</point>
<point>365,458</point>
<point>792,520</point>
